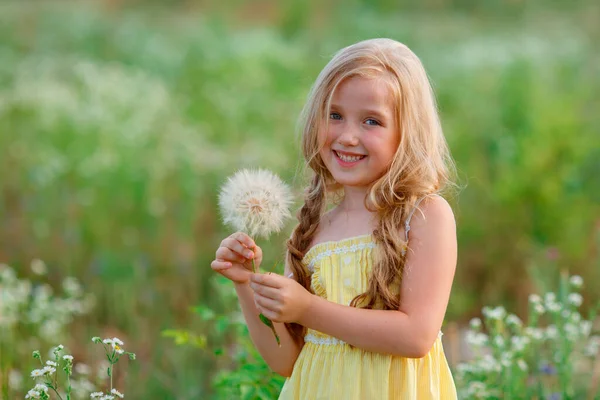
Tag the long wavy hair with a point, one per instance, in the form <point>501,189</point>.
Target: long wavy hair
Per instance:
<point>421,165</point>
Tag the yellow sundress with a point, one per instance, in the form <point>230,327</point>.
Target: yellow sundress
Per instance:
<point>327,368</point>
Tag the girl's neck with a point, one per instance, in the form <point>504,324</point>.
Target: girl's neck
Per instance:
<point>354,200</point>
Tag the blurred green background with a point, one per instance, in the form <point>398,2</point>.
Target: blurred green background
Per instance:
<point>120,120</point>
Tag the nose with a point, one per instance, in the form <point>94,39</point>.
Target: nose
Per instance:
<point>348,135</point>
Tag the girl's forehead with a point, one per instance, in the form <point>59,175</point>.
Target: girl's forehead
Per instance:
<point>360,90</point>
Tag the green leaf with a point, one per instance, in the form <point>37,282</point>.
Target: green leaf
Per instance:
<point>248,392</point>
<point>264,394</point>
<point>205,313</point>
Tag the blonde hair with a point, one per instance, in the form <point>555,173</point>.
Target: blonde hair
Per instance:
<point>420,166</point>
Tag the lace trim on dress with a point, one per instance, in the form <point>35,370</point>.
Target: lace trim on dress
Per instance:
<point>340,250</point>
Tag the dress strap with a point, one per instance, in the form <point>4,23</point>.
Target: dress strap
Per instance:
<point>407,222</point>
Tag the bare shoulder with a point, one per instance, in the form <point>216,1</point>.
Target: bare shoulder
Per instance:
<point>433,212</point>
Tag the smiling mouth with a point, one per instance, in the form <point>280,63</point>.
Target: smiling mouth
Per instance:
<point>348,158</point>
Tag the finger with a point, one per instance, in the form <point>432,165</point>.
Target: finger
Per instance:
<point>266,291</point>
<point>269,279</point>
<point>258,253</point>
<point>219,265</point>
<point>225,253</point>
<point>238,247</point>
<point>266,303</point>
<point>243,239</point>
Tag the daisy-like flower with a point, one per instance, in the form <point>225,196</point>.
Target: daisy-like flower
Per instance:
<point>33,394</point>
<point>117,393</point>
<point>68,357</point>
<point>41,388</point>
<point>96,395</point>
<point>51,363</point>
<point>107,397</point>
<point>107,341</point>
<point>256,202</point>
<point>117,341</point>
<point>36,373</point>
<point>49,370</point>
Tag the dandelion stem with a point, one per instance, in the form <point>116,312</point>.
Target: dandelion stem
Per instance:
<point>264,319</point>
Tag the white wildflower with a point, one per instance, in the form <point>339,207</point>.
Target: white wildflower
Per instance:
<point>475,323</point>
<point>38,267</point>
<point>255,202</point>
<point>107,341</point>
<point>51,363</point>
<point>535,299</point>
<point>96,395</point>
<point>576,281</point>
<point>551,332</point>
<point>41,388</point>
<point>107,397</point>
<point>476,339</point>
<point>494,313</point>
<point>512,319</point>
<point>575,299</point>
<point>535,333</point>
<point>593,347</point>
<point>572,331</point>
<point>36,373</point>
<point>499,341</point>
<point>550,297</point>
<point>586,328</point>
<point>117,341</point>
<point>519,342</point>
<point>82,369</point>
<point>117,393</point>
<point>68,358</point>
<point>49,370</point>
<point>539,308</point>
<point>554,307</point>
<point>33,394</point>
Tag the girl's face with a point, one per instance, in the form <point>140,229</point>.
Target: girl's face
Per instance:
<point>362,136</point>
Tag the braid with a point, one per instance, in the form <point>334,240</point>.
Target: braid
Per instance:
<point>309,217</point>
<point>383,289</point>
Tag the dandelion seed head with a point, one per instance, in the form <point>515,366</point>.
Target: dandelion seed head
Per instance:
<point>255,202</point>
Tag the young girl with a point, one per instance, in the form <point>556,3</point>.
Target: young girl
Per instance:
<point>367,283</point>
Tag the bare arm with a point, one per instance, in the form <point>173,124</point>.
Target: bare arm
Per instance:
<point>426,285</point>
<point>280,359</point>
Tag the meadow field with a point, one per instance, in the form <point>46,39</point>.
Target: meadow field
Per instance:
<point>120,121</point>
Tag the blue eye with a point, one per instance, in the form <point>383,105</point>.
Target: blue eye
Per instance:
<point>372,122</point>
<point>335,115</point>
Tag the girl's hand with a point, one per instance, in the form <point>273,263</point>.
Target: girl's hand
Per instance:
<point>279,298</point>
<point>233,258</point>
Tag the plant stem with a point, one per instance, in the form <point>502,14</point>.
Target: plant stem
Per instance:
<point>264,319</point>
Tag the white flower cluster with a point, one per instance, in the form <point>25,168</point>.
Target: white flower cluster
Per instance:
<point>115,343</point>
<point>36,392</point>
<point>509,346</point>
<point>23,303</point>
<point>101,396</point>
